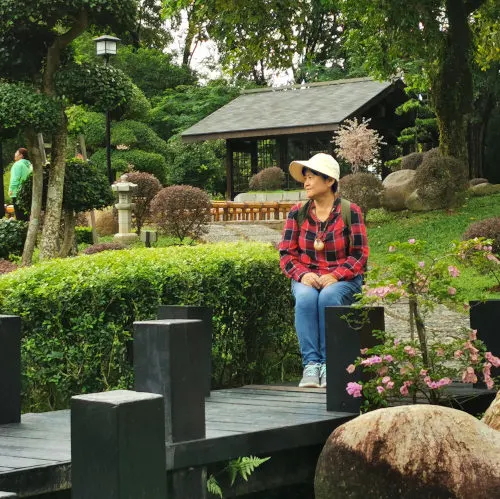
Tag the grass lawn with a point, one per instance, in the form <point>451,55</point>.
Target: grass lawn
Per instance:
<point>439,229</point>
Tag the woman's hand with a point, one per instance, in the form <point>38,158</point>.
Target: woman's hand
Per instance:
<point>326,280</point>
<point>311,279</point>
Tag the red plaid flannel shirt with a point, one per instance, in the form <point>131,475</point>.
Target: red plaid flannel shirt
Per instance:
<point>345,252</point>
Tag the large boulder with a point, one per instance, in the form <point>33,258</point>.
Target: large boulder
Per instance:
<point>397,187</point>
<point>417,451</point>
<point>492,415</point>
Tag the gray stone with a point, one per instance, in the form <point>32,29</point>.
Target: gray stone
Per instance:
<point>397,188</point>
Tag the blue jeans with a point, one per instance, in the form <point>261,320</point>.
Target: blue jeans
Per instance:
<point>310,306</point>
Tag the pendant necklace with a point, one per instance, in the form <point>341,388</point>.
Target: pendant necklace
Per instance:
<point>318,242</point>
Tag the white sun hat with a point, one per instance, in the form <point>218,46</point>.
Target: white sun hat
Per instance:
<point>321,162</point>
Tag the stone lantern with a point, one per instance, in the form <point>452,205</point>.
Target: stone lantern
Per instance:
<point>124,206</point>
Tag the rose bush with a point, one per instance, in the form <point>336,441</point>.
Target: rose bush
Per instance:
<point>417,366</point>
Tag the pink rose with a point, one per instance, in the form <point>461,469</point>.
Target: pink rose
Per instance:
<point>473,335</point>
<point>495,361</point>
<point>392,249</point>
<point>452,291</point>
<point>350,368</point>
<point>458,354</point>
<point>411,241</point>
<point>354,389</point>
<point>453,271</point>
<point>409,350</point>
<point>383,371</point>
<point>396,342</point>
<point>421,264</point>
<point>363,351</point>
<point>388,358</point>
<point>404,390</point>
<point>380,389</point>
<point>386,379</point>
<point>423,372</point>
<point>370,361</point>
<point>469,376</point>
<point>390,385</point>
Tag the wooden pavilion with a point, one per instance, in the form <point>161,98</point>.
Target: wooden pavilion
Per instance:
<point>273,126</point>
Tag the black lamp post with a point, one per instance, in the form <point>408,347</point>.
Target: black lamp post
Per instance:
<point>106,46</point>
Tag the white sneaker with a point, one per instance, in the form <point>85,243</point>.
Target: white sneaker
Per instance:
<point>310,376</point>
<point>322,376</point>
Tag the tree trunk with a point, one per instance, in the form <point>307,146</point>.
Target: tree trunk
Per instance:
<point>452,85</point>
<point>49,247</point>
<point>36,196</point>
<point>69,233</point>
<point>476,147</point>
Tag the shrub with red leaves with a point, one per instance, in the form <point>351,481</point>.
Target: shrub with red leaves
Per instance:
<point>182,211</point>
<point>148,187</point>
<point>97,248</point>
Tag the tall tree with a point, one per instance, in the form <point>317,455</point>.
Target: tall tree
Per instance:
<point>431,44</point>
<point>255,38</point>
<point>34,41</point>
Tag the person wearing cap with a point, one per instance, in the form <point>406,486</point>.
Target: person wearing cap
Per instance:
<point>324,259</point>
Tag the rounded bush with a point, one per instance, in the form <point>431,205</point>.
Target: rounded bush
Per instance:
<point>148,187</point>
<point>268,179</point>
<point>97,248</point>
<point>412,161</point>
<point>182,211</point>
<point>83,235</point>
<point>364,189</point>
<point>92,301</point>
<point>106,222</point>
<point>441,181</point>
<point>489,228</point>
<point>12,237</point>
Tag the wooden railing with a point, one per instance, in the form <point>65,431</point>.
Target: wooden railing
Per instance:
<point>226,211</point>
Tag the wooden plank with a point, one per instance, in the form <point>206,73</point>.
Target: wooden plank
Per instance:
<point>23,462</point>
<point>203,452</point>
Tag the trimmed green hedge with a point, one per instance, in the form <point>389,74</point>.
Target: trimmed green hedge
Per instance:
<point>77,315</point>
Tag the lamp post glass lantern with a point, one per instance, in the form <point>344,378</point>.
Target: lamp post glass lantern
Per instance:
<point>106,46</point>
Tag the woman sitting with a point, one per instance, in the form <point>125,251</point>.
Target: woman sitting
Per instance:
<point>324,258</point>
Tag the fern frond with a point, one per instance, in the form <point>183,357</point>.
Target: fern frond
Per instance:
<point>213,487</point>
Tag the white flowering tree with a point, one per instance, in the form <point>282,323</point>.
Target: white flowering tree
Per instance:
<point>357,144</point>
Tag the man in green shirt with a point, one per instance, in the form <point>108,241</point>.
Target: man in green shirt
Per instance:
<point>19,172</point>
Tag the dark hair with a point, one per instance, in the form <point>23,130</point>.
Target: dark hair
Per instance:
<point>335,185</point>
<point>24,152</point>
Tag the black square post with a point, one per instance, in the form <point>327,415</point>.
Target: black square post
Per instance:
<point>347,330</point>
<point>485,317</point>
<point>10,369</point>
<point>118,446</point>
<point>205,337</point>
<point>167,357</point>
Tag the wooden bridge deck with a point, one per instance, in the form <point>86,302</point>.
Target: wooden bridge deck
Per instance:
<point>35,455</point>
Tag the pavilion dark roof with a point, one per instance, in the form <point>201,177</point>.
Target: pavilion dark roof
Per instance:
<point>300,109</point>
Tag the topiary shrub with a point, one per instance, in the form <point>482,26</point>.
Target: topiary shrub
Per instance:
<point>78,315</point>
<point>182,211</point>
<point>412,161</point>
<point>364,189</point>
<point>441,181</point>
<point>12,237</point>
<point>148,187</point>
<point>97,248</point>
<point>83,235</point>
<point>489,228</point>
<point>269,179</point>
